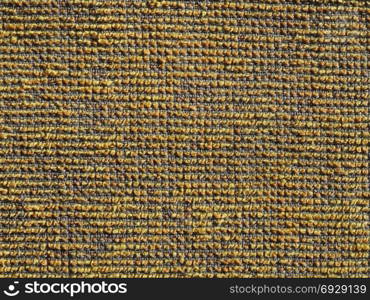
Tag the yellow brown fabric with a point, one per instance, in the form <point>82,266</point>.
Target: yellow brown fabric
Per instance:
<point>184,138</point>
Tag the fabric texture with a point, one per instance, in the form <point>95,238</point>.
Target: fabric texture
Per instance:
<point>184,138</point>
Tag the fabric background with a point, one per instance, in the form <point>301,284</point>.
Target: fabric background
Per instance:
<point>184,138</point>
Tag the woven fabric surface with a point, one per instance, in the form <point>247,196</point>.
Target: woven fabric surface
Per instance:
<point>184,138</point>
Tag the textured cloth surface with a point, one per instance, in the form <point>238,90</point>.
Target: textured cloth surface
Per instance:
<point>184,138</point>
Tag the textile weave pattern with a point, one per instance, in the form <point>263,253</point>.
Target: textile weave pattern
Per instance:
<point>184,138</point>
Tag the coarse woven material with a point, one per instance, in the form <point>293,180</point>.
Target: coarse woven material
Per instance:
<point>184,138</point>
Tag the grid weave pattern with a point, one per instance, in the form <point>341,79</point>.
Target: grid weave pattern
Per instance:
<point>184,138</point>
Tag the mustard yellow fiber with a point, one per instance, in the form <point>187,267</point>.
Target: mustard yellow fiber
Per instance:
<point>184,138</point>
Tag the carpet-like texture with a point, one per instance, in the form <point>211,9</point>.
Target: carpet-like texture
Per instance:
<point>184,138</point>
